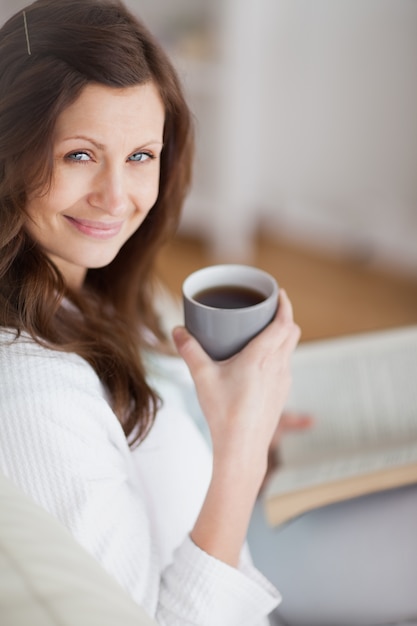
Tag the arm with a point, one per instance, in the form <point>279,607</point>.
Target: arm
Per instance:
<point>242,399</point>
<point>64,446</point>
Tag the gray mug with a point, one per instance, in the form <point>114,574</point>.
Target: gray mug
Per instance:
<point>225,306</point>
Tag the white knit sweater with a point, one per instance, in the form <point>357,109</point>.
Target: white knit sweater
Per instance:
<point>62,443</point>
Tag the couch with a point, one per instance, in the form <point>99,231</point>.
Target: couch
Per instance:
<point>47,579</point>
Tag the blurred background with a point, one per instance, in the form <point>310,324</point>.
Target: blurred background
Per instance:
<point>306,121</point>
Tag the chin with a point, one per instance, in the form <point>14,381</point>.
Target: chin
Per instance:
<point>98,263</point>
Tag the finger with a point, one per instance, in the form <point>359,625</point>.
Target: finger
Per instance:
<point>285,310</point>
<point>275,337</point>
<point>295,421</point>
<point>291,422</point>
<point>285,341</point>
<point>189,349</point>
<point>282,325</point>
<point>292,339</point>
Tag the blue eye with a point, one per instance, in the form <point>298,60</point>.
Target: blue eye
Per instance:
<point>138,157</point>
<point>78,156</point>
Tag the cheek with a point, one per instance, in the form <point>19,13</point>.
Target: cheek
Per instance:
<point>60,195</point>
<point>145,203</point>
<point>149,193</point>
<point>37,210</point>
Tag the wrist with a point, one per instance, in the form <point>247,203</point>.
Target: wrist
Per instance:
<point>222,525</point>
<point>240,471</point>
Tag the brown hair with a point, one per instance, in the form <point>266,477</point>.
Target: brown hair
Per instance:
<point>74,43</point>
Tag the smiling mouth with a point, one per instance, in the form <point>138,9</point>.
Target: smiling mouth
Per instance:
<point>97,230</point>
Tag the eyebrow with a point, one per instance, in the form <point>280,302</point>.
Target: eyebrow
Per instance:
<point>101,146</point>
<point>98,145</point>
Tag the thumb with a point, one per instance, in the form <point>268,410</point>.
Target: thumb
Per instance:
<point>189,349</point>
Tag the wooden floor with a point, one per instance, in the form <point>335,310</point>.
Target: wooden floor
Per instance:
<point>330,296</point>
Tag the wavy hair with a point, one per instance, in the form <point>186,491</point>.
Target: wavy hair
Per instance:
<point>74,43</point>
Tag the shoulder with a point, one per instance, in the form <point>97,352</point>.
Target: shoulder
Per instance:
<point>25,359</point>
<point>52,400</point>
<point>51,388</point>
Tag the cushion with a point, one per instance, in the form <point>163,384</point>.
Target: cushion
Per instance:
<point>47,579</point>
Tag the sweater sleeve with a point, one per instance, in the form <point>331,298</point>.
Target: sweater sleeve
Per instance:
<point>216,593</point>
<point>62,443</point>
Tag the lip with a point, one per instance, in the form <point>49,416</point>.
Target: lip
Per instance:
<point>97,230</point>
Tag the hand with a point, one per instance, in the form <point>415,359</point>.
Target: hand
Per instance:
<point>243,397</point>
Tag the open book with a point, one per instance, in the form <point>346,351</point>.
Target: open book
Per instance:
<point>362,392</point>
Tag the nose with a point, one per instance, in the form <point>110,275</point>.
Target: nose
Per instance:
<point>109,193</point>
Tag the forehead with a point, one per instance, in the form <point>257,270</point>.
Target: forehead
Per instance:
<point>114,112</point>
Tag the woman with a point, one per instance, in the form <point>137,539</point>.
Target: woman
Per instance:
<point>95,155</point>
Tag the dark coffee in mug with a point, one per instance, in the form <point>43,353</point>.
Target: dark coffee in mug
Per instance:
<point>229,297</point>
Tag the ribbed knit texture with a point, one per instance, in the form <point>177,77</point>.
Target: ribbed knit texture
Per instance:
<point>61,442</point>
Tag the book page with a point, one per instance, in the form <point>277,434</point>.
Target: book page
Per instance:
<point>294,478</point>
<point>361,390</point>
<point>294,491</point>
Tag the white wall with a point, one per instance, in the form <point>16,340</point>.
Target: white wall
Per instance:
<point>8,7</point>
<point>340,132</point>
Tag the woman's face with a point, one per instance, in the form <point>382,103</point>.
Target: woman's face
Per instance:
<point>106,149</point>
